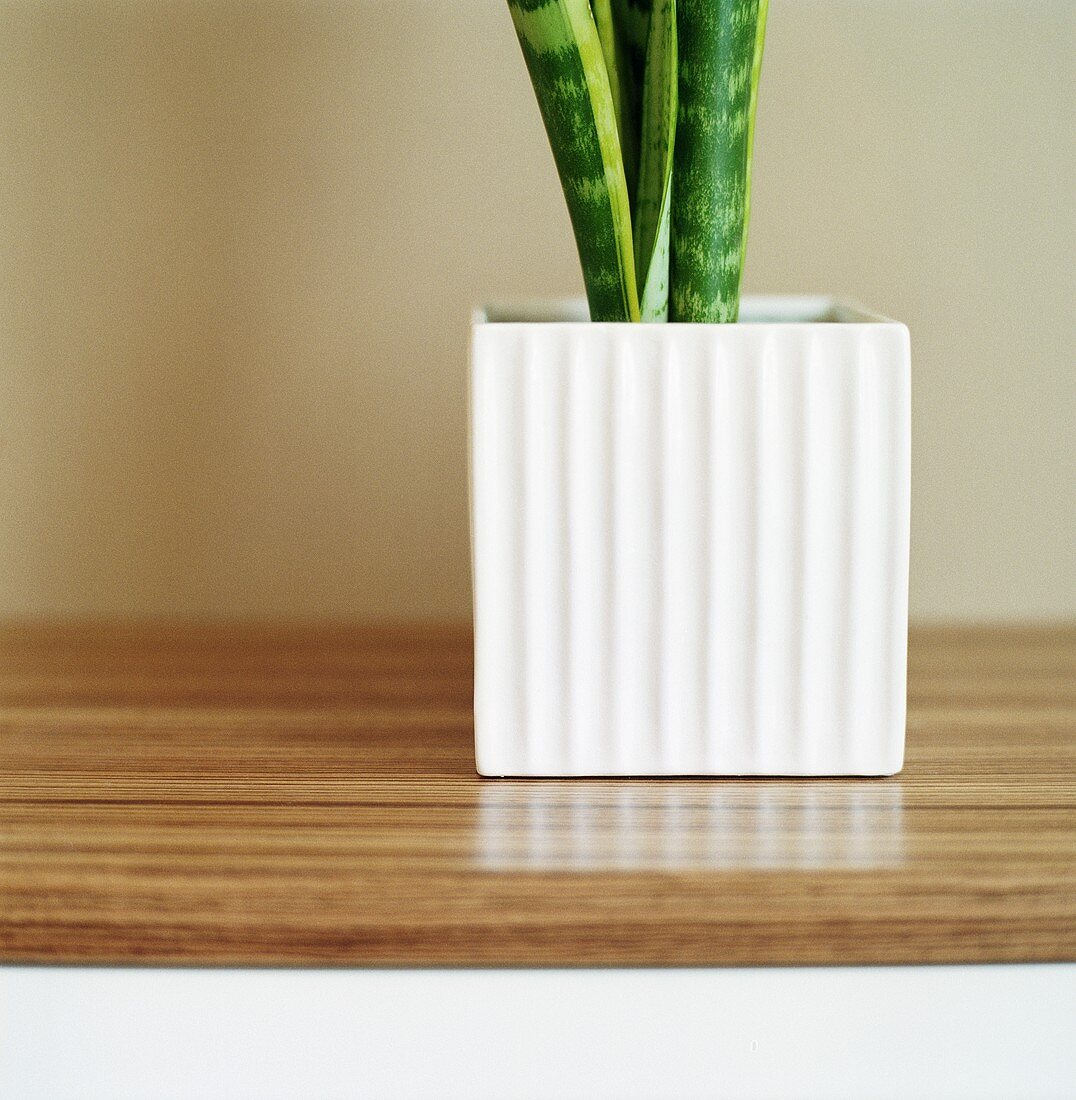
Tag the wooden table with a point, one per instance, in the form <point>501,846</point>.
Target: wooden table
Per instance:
<point>257,795</point>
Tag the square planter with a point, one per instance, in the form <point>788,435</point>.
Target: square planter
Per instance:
<point>690,542</point>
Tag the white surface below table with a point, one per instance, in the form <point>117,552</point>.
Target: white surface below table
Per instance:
<point>146,1033</point>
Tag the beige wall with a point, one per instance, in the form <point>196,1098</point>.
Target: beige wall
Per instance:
<point>239,243</point>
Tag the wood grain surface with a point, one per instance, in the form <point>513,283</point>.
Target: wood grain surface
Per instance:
<point>307,796</point>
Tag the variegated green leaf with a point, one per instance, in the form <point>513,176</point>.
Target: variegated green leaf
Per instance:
<point>652,203</point>
<point>632,20</point>
<point>564,56</point>
<point>756,70</point>
<point>716,59</point>
<point>621,84</point>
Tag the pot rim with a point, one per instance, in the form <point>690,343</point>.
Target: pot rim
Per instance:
<point>767,309</point>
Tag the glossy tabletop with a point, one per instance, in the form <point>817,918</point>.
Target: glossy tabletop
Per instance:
<point>307,796</point>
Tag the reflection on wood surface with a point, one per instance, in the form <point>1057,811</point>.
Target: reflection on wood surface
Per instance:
<point>730,825</point>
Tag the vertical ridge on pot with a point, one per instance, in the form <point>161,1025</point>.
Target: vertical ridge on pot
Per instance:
<point>588,548</point>
<point>685,520</point>
<point>634,576</point>
<point>652,367</point>
<point>656,362</point>
<point>497,505</point>
<point>878,469</point>
<point>843,356</point>
<point>610,733</point>
<point>826,523</point>
<point>896,618</point>
<point>866,713</point>
<point>560,640</point>
<point>733,565</point>
<point>793,352</point>
<point>704,657</point>
<point>777,551</point>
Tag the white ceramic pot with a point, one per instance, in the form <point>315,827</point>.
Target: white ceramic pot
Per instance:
<point>690,542</point>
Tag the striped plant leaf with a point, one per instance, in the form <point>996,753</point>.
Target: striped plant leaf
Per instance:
<point>564,56</point>
<point>756,70</point>
<point>652,203</point>
<point>633,24</point>
<point>622,87</point>
<point>716,59</point>
<point>631,21</point>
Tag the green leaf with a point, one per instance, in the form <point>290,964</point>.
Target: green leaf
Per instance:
<point>716,59</point>
<point>653,198</point>
<point>621,85</point>
<point>631,22</point>
<point>756,70</point>
<point>632,19</point>
<point>563,52</point>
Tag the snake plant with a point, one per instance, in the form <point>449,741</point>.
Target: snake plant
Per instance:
<point>649,106</point>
